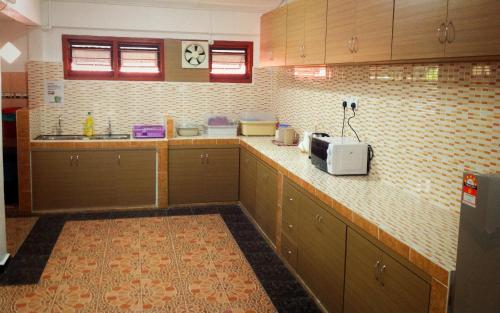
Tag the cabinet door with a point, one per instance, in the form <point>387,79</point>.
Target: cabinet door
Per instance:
<point>405,292</point>
<point>248,181</point>
<point>363,292</point>
<point>278,42</point>
<point>266,38</point>
<point>321,254</point>
<point>473,28</point>
<point>95,177</point>
<point>416,29</point>
<point>186,176</point>
<point>315,31</point>
<point>266,200</point>
<point>221,175</point>
<point>54,180</point>
<point>295,24</point>
<point>373,30</point>
<point>135,183</point>
<point>340,30</point>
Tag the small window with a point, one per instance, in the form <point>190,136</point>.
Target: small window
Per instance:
<point>112,58</point>
<point>231,62</point>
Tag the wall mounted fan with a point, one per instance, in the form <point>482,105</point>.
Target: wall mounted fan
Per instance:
<point>194,54</point>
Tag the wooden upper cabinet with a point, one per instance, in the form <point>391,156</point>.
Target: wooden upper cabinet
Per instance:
<point>359,31</point>
<point>266,37</point>
<point>315,31</point>
<point>373,37</point>
<point>473,28</point>
<point>278,42</point>
<point>273,37</point>
<point>340,31</point>
<point>295,32</point>
<point>419,29</point>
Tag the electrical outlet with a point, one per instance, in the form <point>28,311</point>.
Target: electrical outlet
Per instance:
<point>356,103</point>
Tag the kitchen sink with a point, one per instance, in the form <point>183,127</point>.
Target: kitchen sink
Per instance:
<point>81,137</point>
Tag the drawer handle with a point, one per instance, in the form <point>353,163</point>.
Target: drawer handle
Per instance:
<point>320,218</point>
<point>383,269</point>
<point>201,158</point>
<point>119,159</point>
<point>289,251</point>
<point>290,226</point>
<point>377,270</point>
<point>71,161</point>
<point>77,160</point>
<point>206,158</point>
<point>291,199</point>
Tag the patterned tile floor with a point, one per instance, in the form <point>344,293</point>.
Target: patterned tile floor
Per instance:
<point>185,263</point>
<point>17,231</point>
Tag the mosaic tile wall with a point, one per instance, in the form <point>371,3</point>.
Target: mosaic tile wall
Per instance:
<point>129,103</point>
<point>426,122</point>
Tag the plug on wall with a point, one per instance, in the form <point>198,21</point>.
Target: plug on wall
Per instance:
<point>353,103</point>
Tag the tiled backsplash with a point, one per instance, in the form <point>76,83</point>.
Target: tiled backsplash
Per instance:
<point>129,103</point>
<point>426,122</point>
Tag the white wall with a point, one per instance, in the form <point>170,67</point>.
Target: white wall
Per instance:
<point>135,21</point>
<point>16,33</point>
<point>3,230</point>
<point>25,11</point>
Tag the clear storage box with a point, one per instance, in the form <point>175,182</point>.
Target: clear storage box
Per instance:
<point>258,124</point>
<point>221,125</point>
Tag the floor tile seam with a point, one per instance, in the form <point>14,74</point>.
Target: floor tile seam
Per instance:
<point>221,283</point>
<point>174,260</point>
<point>101,295</point>
<point>141,284</point>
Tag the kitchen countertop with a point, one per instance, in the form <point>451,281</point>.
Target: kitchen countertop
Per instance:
<point>428,229</point>
<point>421,225</point>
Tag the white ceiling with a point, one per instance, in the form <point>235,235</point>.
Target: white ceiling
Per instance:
<point>236,5</point>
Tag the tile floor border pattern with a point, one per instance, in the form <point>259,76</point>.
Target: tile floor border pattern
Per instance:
<point>286,294</point>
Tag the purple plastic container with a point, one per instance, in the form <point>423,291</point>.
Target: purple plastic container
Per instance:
<point>148,131</point>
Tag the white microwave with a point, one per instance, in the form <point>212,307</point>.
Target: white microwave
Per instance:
<point>341,155</point>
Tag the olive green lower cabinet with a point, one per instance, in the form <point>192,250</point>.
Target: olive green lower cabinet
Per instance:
<point>203,175</point>
<point>266,200</point>
<point>78,179</point>
<point>313,242</point>
<point>377,283</point>
<point>248,181</point>
<point>259,192</point>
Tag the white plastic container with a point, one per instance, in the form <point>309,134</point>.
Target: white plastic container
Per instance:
<point>221,125</point>
<point>258,124</point>
<point>222,131</point>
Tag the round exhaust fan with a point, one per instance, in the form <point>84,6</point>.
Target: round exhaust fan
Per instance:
<point>194,54</point>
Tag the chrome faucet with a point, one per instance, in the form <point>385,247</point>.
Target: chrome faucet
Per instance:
<point>109,130</point>
<point>59,129</point>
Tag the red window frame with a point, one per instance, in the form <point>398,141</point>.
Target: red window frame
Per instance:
<point>243,45</point>
<point>115,43</point>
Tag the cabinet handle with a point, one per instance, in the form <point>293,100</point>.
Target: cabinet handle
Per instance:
<point>350,44</point>
<point>71,161</point>
<point>119,159</point>
<point>355,44</point>
<point>382,271</point>
<point>320,218</point>
<point>289,251</point>
<point>441,30</point>
<point>450,29</point>
<point>201,158</point>
<point>291,199</point>
<point>77,160</point>
<point>290,226</point>
<point>377,270</point>
<point>206,158</point>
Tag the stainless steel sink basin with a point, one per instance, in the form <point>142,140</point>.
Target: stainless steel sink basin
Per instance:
<point>80,137</point>
<point>111,137</point>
